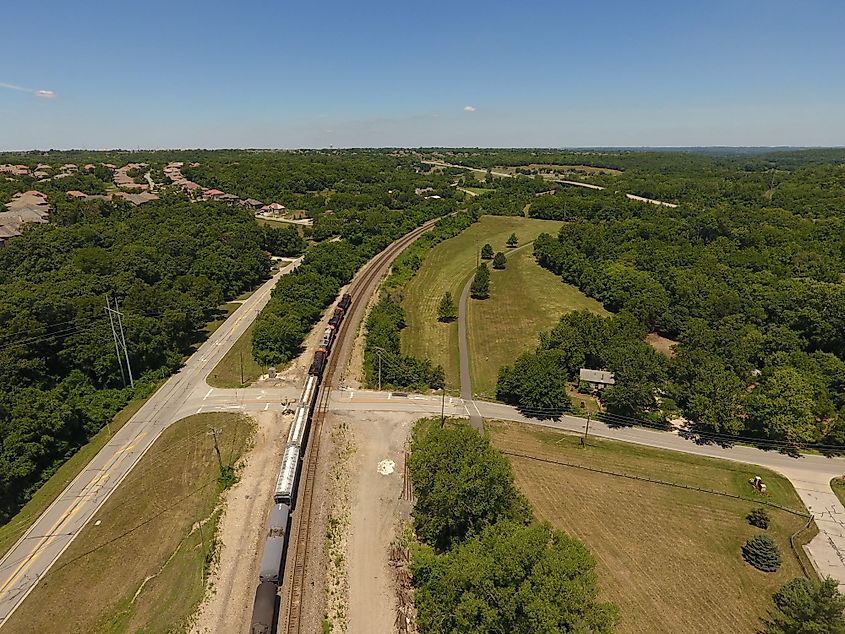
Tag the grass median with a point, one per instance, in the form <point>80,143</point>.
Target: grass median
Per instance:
<point>237,368</point>
<point>144,567</point>
<point>669,557</point>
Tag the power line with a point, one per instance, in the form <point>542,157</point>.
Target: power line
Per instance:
<point>621,420</point>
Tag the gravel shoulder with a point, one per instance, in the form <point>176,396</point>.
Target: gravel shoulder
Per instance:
<point>228,605</point>
<point>375,516</point>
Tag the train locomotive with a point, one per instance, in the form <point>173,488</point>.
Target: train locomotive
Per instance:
<point>271,571</point>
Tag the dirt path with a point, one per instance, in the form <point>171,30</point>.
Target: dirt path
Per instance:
<point>376,512</point>
<point>228,606</point>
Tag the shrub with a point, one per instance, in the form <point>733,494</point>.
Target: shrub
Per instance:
<point>759,517</point>
<point>763,553</point>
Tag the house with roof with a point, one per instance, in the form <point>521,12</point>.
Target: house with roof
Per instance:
<point>597,379</point>
<point>251,203</point>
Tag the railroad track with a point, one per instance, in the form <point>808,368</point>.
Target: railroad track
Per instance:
<point>361,288</point>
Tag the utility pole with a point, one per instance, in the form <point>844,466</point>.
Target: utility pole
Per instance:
<point>242,368</point>
<point>213,432</point>
<point>379,371</point>
<point>442,405</point>
<point>119,315</point>
<point>586,430</point>
<point>116,344</point>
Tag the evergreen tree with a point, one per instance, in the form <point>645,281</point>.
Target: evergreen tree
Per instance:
<point>762,552</point>
<point>512,241</point>
<point>486,252</point>
<point>808,607</point>
<point>759,518</point>
<point>499,260</point>
<point>480,288</point>
<point>447,311</point>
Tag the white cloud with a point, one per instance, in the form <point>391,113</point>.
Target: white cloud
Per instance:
<point>43,94</point>
<point>469,108</point>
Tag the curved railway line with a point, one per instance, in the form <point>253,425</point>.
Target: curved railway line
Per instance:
<point>291,617</point>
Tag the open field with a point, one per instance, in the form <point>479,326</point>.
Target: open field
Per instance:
<point>50,490</point>
<point>479,190</point>
<point>669,557</point>
<point>141,564</point>
<point>447,268</point>
<point>525,299</point>
<point>237,368</point>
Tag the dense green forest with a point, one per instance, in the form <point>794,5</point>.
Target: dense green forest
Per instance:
<point>170,264</point>
<point>746,275</point>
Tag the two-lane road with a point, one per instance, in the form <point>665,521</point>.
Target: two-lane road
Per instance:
<point>809,474</point>
<point>182,394</point>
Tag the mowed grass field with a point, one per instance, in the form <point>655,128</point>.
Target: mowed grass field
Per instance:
<point>143,568</point>
<point>669,558</point>
<point>447,268</point>
<point>525,299</point>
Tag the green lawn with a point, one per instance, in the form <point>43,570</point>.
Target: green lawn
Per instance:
<point>143,569</point>
<point>478,190</point>
<point>446,268</point>
<point>668,557</point>
<point>838,486</point>
<point>525,299</point>
<point>237,368</point>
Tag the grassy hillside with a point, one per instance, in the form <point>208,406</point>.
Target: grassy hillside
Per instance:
<point>525,299</point>
<point>446,268</point>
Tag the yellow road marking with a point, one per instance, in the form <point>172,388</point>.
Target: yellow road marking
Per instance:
<point>70,512</point>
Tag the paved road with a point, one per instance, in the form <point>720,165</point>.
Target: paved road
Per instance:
<point>554,180</point>
<point>809,474</point>
<point>184,393</point>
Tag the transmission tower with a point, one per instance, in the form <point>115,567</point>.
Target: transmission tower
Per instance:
<point>119,342</point>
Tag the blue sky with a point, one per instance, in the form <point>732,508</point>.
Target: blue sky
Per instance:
<point>185,73</point>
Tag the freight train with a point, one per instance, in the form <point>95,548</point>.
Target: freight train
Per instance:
<point>272,566</point>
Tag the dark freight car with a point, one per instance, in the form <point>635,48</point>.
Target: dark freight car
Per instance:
<point>264,608</point>
<point>345,301</point>
<point>317,364</point>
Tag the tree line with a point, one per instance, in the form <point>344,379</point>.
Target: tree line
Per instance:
<point>754,299</point>
<point>484,563</point>
<point>169,264</point>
